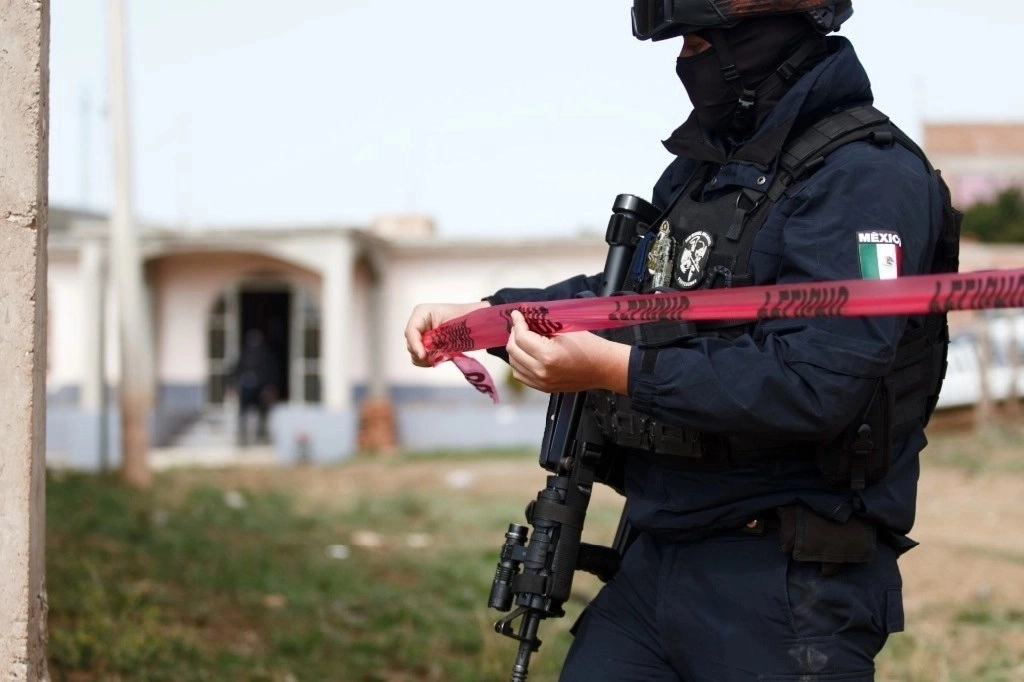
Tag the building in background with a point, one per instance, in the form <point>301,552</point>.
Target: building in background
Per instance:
<point>332,302</point>
<point>978,160</point>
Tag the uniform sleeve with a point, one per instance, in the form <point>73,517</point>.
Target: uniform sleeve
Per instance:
<point>568,288</point>
<point>561,290</point>
<point>802,378</point>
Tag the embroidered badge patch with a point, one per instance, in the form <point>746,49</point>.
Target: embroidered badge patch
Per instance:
<point>659,258</point>
<point>881,255</point>
<point>693,257</point>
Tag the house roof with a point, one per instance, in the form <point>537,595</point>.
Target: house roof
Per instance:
<point>59,219</point>
<point>1000,139</point>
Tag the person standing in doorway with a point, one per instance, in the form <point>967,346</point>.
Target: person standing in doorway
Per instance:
<point>255,379</point>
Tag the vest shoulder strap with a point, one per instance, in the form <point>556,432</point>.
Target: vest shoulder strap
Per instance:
<point>807,152</point>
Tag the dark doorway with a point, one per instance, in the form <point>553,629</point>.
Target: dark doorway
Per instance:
<point>270,313</point>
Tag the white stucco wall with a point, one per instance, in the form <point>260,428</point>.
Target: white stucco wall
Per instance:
<point>459,275</point>
<point>360,334</point>
<point>66,306</point>
<point>69,312</point>
<point>185,287</point>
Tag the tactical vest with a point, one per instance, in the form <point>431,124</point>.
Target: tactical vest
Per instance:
<point>707,244</point>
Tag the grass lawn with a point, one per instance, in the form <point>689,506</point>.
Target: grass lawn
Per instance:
<point>203,580</point>
<point>379,570</point>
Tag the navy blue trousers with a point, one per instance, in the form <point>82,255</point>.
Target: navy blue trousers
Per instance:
<point>733,608</point>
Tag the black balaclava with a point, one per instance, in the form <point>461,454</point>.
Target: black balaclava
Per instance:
<point>758,48</point>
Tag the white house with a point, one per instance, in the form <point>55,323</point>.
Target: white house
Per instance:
<point>332,301</point>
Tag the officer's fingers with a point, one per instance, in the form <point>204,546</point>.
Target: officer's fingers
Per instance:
<point>515,332</point>
<point>419,322</point>
<point>531,359</point>
<point>523,368</point>
<point>518,359</point>
<point>518,321</point>
<point>414,344</point>
<point>515,354</point>
<point>530,342</point>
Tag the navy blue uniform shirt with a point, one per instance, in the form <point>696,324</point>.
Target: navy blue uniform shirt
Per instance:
<point>802,379</point>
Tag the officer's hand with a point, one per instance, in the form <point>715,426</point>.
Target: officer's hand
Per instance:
<point>566,363</point>
<point>425,317</point>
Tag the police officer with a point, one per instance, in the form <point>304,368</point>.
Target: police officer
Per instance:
<point>770,469</point>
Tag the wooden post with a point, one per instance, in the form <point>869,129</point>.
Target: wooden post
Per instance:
<point>24,111</point>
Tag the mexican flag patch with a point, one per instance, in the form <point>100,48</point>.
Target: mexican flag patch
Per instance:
<point>880,254</point>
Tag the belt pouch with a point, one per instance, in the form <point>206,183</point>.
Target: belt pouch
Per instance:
<point>806,536</point>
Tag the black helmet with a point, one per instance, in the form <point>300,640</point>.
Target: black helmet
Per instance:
<point>661,19</point>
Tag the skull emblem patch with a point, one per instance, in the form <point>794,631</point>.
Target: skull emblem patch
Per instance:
<point>693,259</point>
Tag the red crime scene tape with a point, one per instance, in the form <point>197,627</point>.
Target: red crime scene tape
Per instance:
<point>911,295</point>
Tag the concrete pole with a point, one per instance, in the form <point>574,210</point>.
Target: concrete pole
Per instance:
<point>337,326</point>
<point>136,394</point>
<point>24,111</point>
<point>85,135</point>
<point>90,269</point>
<point>94,381</point>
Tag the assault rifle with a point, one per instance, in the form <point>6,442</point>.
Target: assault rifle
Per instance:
<point>535,569</point>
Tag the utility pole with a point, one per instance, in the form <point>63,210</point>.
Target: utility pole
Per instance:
<point>1012,347</point>
<point>378,431</point>
<point>984,411</point>
<point>93,394</point>
<point>85,135</point>
<point>24,150</point>
<point>136,394</point>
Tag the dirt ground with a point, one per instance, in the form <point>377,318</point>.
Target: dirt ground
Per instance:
<point>970,524</point>
<point>971,530</point>
<point>963,586</point>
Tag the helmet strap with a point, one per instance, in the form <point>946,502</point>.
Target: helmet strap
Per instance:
<point>743,117</point>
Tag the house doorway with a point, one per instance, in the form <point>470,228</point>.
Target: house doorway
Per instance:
<point>268,312</point>
<point>287,316</point>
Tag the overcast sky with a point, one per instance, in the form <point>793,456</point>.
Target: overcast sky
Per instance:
<point>495,119</point>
